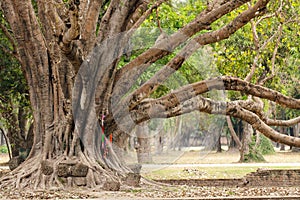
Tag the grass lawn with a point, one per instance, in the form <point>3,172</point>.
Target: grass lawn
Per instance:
<point>279,160</point>
<point>205,172</point>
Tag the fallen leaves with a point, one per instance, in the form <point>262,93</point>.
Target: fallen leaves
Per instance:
<point>146,191</point>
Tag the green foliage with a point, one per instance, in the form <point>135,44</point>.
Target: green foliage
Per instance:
<point>3,149</point>
<point>175,14</point>
<point>254,156</point>
<point>265,146</point>
<point>235,55</point>
<point>171,16</point>
<point>256,152</point>
<point>13,87</point>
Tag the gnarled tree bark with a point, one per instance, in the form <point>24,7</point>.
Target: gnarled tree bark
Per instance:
<point>69,54</point>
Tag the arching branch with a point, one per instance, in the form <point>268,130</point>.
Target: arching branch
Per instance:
<point>235,84</point>
<point>290,122</point>
<point>211,37</point>
<point>125,78</point>
<point>161,108</point>
<point>176,99</point>
<point>257,109</point>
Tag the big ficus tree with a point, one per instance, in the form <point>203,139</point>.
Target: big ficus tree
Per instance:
<point>82,85</point>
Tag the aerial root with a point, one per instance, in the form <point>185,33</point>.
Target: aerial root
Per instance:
<point>54,176</point>
<point>28,174</point>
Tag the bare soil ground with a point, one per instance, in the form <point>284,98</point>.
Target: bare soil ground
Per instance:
<point>151,191</point>
<point>3,159</point>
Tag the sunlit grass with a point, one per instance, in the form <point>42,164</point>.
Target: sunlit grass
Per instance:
<point>220,172</point>
<point>206,173</point>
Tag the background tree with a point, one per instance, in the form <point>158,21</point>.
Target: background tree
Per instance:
<point>260,46</point>
<point>70,52</point>
<point>15,110</point>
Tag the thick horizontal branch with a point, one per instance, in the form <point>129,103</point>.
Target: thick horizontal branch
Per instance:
<point>158,108</point>
<point>262,127</point>
<point>177,102</point>
<point>235,84</point>
<point>257,109</point>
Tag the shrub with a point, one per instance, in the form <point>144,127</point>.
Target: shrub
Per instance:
<point>265,146</point>
<point>256,152</point>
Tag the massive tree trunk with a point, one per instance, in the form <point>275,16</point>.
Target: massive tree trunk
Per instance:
<point>50,60</point>
<point>80,97</point>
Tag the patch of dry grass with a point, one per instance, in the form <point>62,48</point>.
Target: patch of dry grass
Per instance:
<point>219,172</point>
<point>200,157</point>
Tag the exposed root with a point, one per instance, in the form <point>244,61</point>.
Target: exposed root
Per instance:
<point>30,174</point>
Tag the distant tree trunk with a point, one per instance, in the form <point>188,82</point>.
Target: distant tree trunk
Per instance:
<point>6,142</point>
<point>2,141</point>
<point>257,139</point>
<point>144,144</point>
<point>20,137</point>
<point>219,145</point>
<point>212,138</point>
<point>177,134</point>
<point>233,133</point>
<point>246,140</point>
<point>159,144</point>
<point>283,131</point>
<point>296,130</point>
